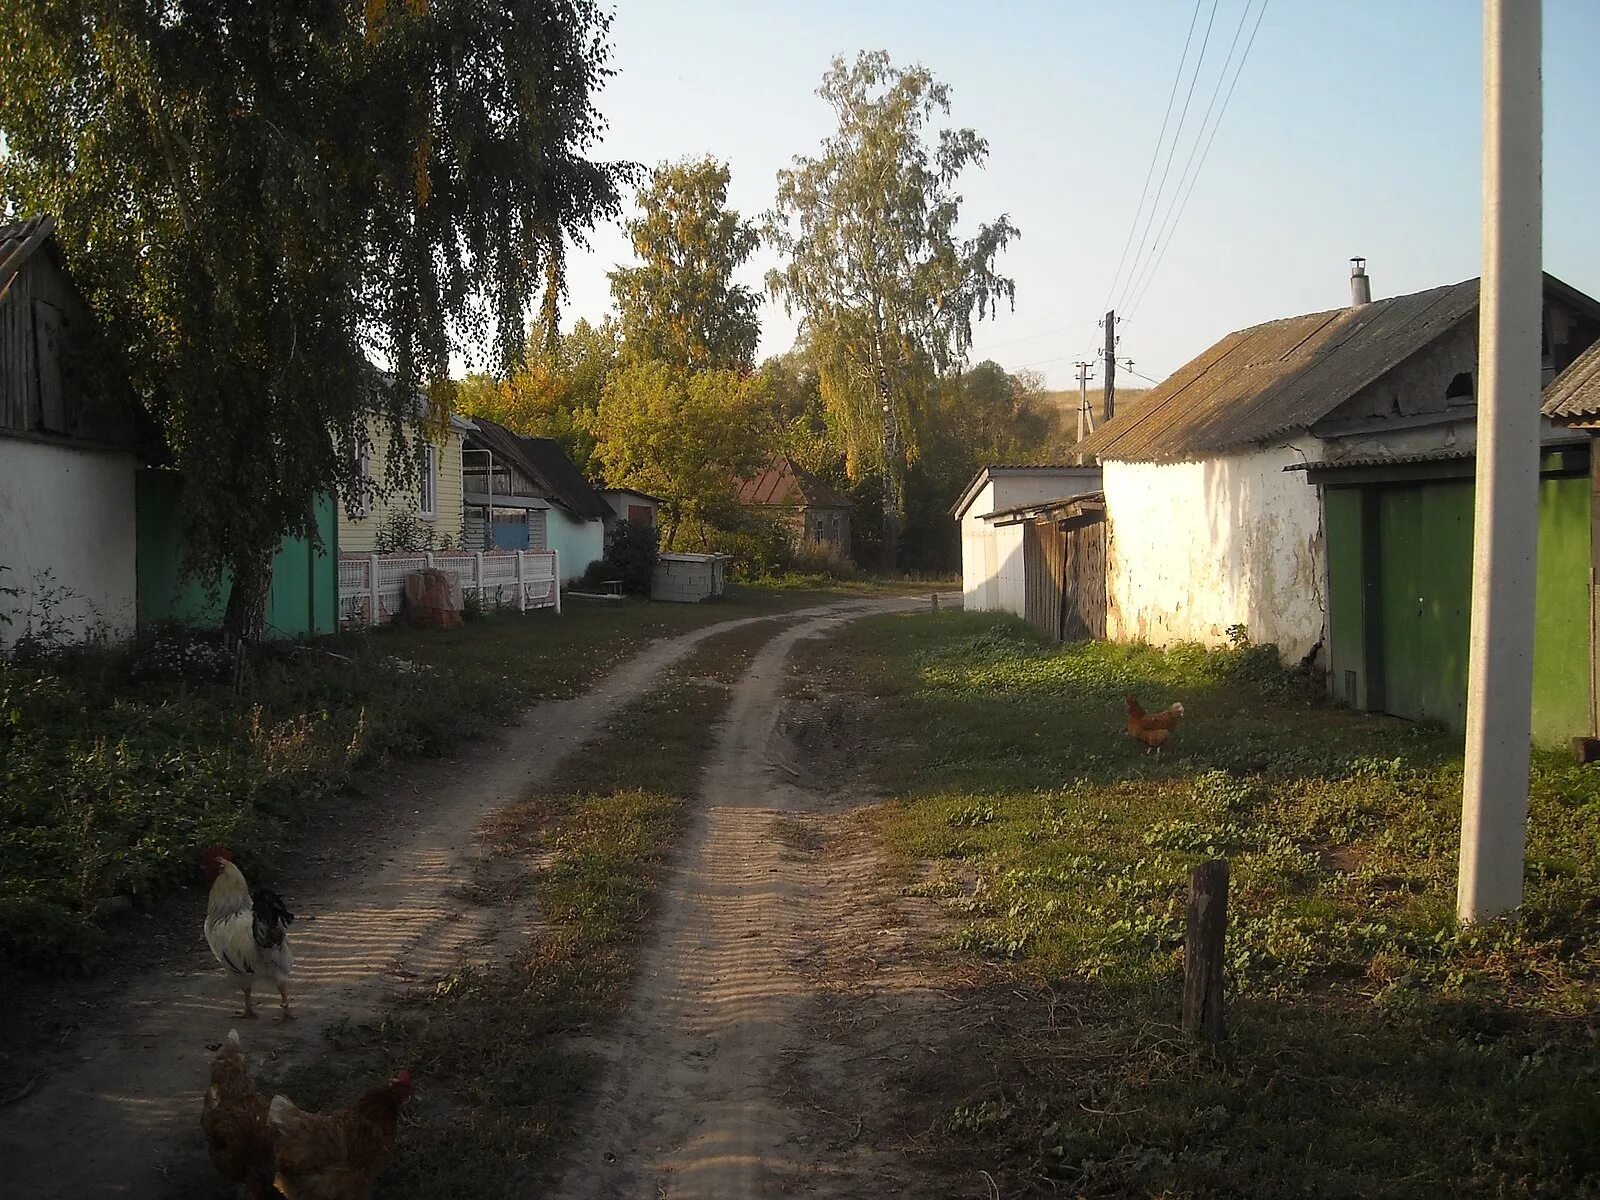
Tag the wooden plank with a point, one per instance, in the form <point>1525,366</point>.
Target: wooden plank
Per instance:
<point>1203,944</point>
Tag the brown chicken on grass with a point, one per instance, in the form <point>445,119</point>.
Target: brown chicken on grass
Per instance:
<point>1151,729</point>
<point>234,1118</point>
<point>337,1155</point>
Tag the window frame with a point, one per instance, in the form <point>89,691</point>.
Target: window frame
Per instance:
<point>428,483</point>
<point>360,508</point>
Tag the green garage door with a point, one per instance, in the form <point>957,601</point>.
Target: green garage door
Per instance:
<point>1425,590</point>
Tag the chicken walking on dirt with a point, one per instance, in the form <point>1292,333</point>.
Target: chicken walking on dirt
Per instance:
<point>234,1119</point>
<point>246,932</point>
<point>1151,729</point>
<point>337,1155</point>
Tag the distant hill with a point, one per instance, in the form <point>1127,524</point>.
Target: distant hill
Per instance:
<point>1065,405</point>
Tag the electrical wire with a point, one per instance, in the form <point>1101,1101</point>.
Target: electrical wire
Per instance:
<point>1203,156</point>
<point>1030,338</point>
<point>1155,153</point>
<point>1134,287</point>
<point>1172,149</point>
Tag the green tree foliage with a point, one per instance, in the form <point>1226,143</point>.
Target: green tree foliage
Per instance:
<point>257,197</point>
<point>554,393</point>
<point>680,304</point>
<point>886,289</point>
<point>683,436</point>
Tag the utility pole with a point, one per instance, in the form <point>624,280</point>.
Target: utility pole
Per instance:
<point>1494,802</point>
<point>1084,413</point>
<point>1110,354</point>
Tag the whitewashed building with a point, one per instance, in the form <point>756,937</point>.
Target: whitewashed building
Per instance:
<point>992,570</point>
<point>67,455</point>
<point>1217,482</point>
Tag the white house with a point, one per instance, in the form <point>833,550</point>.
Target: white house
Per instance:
<point>1216,525</point>
<point>67,459</point>
<point>627,504</point>
<point>992,574</point>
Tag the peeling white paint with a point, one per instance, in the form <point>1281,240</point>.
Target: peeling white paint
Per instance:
<point>1198,547</point>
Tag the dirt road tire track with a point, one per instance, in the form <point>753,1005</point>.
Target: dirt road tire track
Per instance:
<point>120,1118</point>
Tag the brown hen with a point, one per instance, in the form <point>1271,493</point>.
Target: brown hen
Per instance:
<point>337,1155</point>
<point>1151,729</point>
<point>234,1118</point>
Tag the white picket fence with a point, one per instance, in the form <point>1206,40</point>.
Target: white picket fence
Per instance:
<point>372,586</point>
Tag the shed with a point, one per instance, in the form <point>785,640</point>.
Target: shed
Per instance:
<point>689,578</point>
<point>812,509</point>
<point>67,450</point>
<point>628,504</point>
<point>1572,402</point>
<point>993,554</point>
<point>1215,525</point>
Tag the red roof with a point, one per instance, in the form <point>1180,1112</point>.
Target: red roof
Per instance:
<point>785,482</point>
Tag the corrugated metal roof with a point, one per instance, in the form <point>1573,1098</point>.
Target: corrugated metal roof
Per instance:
<point>1280,377</point>
<point>1574,395</point>
<point>785,482</point>
<point>1383,460</point>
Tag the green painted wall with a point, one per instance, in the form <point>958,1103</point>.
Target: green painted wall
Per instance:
<point>303,598</point>
<point>1561,647</point>
<point>1347,644</point>
<point>1423,592</point>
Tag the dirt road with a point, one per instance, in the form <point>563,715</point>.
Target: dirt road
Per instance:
<point>716,1069</point>
<point>119,1115</point>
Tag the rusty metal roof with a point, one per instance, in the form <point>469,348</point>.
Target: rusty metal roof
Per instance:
<point>784,481</point>
<point>1280,377</point>
<point>1574,395</point>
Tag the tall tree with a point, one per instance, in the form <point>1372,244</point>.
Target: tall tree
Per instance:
<point>682,435</point>
<point>886,289</point>
<point>261,198</point>
<point>680,304</point>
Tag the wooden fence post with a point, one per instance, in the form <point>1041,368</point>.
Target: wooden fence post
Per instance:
<point>933,599</point>
<point>374,617</point>
<point>1203,940</point>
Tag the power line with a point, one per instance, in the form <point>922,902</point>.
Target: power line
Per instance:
<point>1155,152</point>
<point>1030,338</point>
<point>1161,253</point>
<point>1172,149</point>
<point>1200,136</point>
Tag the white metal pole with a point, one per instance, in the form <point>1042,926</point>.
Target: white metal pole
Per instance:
<point>1494,805</point>
<point>555,578</point>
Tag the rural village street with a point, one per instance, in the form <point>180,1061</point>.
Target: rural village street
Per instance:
<point>689,1105</point>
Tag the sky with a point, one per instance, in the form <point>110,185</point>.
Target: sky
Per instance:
<point>1354,129</point>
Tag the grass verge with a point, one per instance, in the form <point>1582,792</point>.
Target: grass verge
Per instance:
<point>1376,1049</point>
<point>115,766</point>
<point>499,1052</point>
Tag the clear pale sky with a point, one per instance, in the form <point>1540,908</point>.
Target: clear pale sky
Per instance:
<point>1354,129</point>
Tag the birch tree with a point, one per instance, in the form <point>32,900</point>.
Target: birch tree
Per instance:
<point>886,289</point>
<point>261,199</point>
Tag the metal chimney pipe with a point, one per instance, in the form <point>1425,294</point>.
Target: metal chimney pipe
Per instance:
<point>1360,285</point>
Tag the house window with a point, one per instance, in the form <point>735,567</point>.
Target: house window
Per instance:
<point>428,492</point>
<point>361,502</point>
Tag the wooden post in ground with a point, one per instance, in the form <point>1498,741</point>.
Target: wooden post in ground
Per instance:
<point>1202,950</point>
<point>933,599</point>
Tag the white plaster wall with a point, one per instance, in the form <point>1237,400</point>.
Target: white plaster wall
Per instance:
<point>578,543</point>
<point>69,512</point>
<point>976,553</point>
<point>1233,540</point>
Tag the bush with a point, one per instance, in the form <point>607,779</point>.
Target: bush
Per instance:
<point>631,553</point>
<point>758,543</point>
<point>825,559</point>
